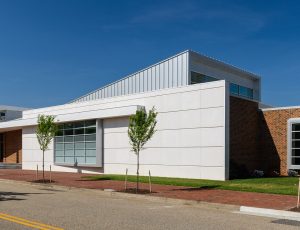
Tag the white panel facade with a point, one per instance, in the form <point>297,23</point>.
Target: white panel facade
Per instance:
<point>190,137</point>
<point>189,142</point>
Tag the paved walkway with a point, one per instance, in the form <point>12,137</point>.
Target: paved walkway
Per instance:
<point>283,202</point>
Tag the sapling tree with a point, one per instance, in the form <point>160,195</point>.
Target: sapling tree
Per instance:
<point>45,132</point>
<point>141,129</point>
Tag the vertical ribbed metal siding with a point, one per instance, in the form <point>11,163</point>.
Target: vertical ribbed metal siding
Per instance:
<point>172,72</point>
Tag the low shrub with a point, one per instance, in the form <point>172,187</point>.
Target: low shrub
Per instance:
<point>292,173</point>
<point>273,173</point>
<point>258,173</point>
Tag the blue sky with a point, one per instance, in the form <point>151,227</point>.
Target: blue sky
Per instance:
<point>54,51</point>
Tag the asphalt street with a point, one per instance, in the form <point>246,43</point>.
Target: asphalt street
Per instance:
<point>25,206</point>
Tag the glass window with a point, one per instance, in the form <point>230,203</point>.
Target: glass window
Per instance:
<point>79,131</point>
<point>69,132</point>
<point>90,123</point>
<point>79,124</point>
<point>234,89</point>
<point>90,145</point>
<point>59,159</point>
<point>80,153</point>
<point>296,127</point>
<point>201,78</point>
<point>76,143</point>
<point>59,139</point>
<point>296,152</point>
<point>250,93</point>
<point>295,145</point>
<point>68,126</point>
<point>2,116</point>
<point>59,133</point>
<point>241,91</point>
<point>59,146</point>
<point>296,161</point>
<point>91,152</point>
<point>69,160</point>
<point>90,130</point>
<point>91,160</point>
<point>80,160</point>
<point>296,135</point>
<point>69,139</point>
<point>79,145</point>
<point>60,153</point>
<point>90,137</point>
<point>79,138</point>
<point>69,152</point>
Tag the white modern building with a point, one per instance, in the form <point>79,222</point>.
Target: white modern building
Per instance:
<point>8,113</point>
<point>193,95</point>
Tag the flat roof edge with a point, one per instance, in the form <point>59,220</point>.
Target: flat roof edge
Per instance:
<point>281,108</point>
<point>156,92</point>
<point>230,66</point>
<point>97,113</point>
<point>13,108</point>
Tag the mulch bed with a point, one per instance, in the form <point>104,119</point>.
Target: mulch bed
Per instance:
<point>295,209</point>
<point>140,191</point>
<point>41,181</point>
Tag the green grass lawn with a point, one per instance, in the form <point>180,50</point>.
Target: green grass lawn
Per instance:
<point>276,185</point>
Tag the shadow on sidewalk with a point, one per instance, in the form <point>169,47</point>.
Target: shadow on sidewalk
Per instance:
<point>196,188</point>
<point>9,196</point>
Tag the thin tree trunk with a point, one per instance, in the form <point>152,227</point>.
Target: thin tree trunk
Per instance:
<point>137,172</point>
<point>43,167</point>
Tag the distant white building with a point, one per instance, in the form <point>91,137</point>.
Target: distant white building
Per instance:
<point>10,112</point>
<point>192,95</point>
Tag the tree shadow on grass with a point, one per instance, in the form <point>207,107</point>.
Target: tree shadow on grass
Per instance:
<point>10,196</point>
<point>208,187</point>
<point>94,179</point>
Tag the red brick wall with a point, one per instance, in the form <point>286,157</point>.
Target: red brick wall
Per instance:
<point>274,141</point>
<point>244,136</point>
<point>258,139</point>
<point>13,147</point>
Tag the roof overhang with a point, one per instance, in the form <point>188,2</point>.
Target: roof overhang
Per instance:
<point>12,108</point>
<point>78,116</point>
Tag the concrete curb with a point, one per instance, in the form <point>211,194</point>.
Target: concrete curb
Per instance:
<point>279,214</point>
<point>121,195</point>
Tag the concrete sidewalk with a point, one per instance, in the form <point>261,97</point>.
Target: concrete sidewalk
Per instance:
<point>260,200</point>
